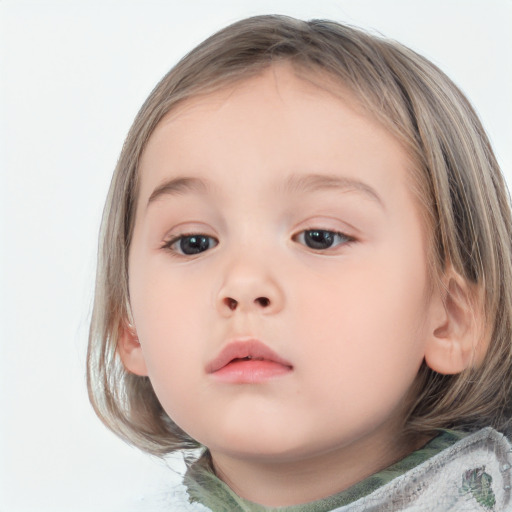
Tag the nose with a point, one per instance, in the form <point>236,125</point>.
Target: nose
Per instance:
<point>249,288</point>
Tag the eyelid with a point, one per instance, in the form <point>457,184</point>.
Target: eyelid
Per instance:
<point>334,232</point>
<point>341,236</point>
<point>327,223</point>
<point>189,228</point>
<point>328,220</point>
<point>167,245</point>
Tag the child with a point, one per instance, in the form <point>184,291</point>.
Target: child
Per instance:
<point>305,268</point>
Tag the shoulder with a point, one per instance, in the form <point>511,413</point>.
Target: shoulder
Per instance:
<point>473,474</point>
<point>174,498</point>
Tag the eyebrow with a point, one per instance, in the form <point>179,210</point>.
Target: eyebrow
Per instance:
<point>318,182</point>
<point>177,186</point>
<point>296,183</point>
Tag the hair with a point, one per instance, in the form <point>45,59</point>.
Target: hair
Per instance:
<point>456,179</point>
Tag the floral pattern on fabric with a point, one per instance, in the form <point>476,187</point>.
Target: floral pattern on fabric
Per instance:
<point>479,484</point>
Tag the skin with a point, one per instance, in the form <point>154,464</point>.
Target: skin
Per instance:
<point>355,320</point>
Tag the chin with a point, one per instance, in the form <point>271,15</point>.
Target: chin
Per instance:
<point>263,444</point>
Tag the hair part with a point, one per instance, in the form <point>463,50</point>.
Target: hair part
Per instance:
<point>455,178</point>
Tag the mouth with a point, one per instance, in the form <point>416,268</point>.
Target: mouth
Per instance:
<point>248,362</point>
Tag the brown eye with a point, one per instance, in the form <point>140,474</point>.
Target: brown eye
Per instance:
<point>321,239</point>
<point>190,245</point>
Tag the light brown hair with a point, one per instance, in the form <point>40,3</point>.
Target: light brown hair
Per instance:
<point>456,179</point>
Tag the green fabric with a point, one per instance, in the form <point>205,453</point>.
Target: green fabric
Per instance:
<point>205,488</point>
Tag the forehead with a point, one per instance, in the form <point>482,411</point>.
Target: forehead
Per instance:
<point>272,83</point>
<point>286,118</point>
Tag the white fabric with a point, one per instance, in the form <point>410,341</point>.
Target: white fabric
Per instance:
<point>437,485</point>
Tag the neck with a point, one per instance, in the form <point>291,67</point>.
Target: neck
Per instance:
<point>305,479</point>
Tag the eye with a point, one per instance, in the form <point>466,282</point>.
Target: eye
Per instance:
<point>189,245</point>
<point>321,239</point>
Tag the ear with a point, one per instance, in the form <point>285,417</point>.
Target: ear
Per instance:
<point>457,339</point>
<point>130,351</point>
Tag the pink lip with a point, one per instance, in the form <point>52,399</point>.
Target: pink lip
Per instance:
<point>248,361</point>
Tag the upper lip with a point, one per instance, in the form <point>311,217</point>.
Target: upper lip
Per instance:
<point>250,348</point>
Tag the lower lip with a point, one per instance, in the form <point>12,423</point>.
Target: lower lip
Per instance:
<point>250,371</point>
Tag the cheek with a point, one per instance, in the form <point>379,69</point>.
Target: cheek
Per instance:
<point>368,323</point>
<point>172,327</point>
<point>173,343</point>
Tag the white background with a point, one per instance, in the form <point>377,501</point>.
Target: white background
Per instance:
<point>72,76</point>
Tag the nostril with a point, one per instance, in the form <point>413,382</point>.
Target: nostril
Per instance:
<point>263,301</point>
<point>231,303</point>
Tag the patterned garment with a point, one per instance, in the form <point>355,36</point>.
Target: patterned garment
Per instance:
<point>472,475</point>
<point>451,473</point>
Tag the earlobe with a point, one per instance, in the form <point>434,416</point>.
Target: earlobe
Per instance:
<point>457,336</point>
<point>130,351</point>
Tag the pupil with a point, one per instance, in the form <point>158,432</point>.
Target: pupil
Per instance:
<point>319,239</point>
<point>194,244</point>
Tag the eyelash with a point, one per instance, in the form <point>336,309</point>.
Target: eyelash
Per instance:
<point>180,238</point>
<point>312,233</point>
<point>343,239</point>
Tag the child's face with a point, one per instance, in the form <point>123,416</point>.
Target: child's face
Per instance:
<point>299,231</point>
